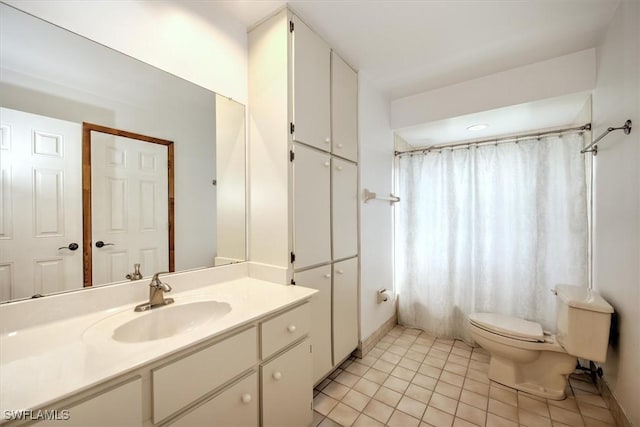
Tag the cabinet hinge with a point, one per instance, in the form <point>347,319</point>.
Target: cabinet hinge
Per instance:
<point>292,128</point>
<point>291,26</point>
<point>292,155</point>
<point>293,257</point>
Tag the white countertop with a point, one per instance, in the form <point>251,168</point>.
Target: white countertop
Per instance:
<point>46,363</point>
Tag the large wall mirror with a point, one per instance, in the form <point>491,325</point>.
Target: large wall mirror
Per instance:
<point>107,162</point>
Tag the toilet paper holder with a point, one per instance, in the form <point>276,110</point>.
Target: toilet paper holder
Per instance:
<point>383,296</point>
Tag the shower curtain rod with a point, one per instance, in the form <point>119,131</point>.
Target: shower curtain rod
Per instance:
<point>585,127</point>
<point>588,149</point>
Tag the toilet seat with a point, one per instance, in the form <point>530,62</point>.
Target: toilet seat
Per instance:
<point>508,326</point>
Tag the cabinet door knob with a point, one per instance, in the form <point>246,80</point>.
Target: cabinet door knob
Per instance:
<point>339,145</point>
<point>326,164</point>
<point>327,276</point>
<point>327,140</point>
<point>340,271</point>
<point>339,168</point>
<point>277,375</point>
<point>246,398</point>
<point>291,328</point>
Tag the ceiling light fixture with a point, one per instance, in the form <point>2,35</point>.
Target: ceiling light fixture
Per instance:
<point>478,127</point>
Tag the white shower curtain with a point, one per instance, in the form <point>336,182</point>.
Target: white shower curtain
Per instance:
<point>490,228</point>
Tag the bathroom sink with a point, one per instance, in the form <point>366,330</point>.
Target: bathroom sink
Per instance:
<point>167,321</point>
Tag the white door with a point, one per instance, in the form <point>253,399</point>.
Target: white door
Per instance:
<point>344,109</point>
<point>287,390</point>
<point>312,221</point>
<point>40,205</point>
<point>129,207</point>
<point>311,88</point>
<point>345,308</point>
<point>344,197</point>
<point>320,279</point>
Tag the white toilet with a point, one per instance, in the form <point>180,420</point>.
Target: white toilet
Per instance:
<point>528,359</point>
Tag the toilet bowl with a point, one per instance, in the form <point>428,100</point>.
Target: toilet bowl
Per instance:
<point>526,358</point>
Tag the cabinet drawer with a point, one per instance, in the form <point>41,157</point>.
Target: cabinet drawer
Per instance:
<point>236,406</point>
<point>285,329</point>
<point>185,380</point>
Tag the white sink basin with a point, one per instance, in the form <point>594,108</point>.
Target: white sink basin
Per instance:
<point>170,320</point>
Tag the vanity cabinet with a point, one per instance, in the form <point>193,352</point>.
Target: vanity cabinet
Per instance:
<point>257,375</point>
<point>303,152</point>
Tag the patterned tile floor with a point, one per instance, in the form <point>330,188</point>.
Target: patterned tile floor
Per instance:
<point>411,379</point>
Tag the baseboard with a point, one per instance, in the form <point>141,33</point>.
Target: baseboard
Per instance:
<point>616,410</point>
<point>365,346</point>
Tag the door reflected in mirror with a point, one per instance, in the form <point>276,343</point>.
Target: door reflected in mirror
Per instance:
<point>128,193</point>
<point>50,74</point>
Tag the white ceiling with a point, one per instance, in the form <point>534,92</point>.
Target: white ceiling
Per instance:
<point>405,47</point>
<point>410,46</point>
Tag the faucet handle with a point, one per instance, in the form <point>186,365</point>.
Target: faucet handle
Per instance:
<point>156,282</point>
<point>156,276</point>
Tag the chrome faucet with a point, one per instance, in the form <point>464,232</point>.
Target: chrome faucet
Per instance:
<point>157,288</point>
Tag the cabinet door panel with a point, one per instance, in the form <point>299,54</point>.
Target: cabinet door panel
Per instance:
<point>311,88</point>
<point>312,227</point>
<point>319,278</point>
<point>344,109</point>
<point>121,406</point>
<point>179,383</point>
<point>287,389</point>
<point>345,308</point>
<point>235,407</point>
<point>345,208</point>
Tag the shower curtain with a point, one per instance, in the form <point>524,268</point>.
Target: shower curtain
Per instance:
<point>490,228</point>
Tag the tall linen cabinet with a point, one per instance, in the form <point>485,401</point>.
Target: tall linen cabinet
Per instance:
<point>303,155</point>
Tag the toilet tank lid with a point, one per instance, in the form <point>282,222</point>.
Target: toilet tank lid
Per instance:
<point>509,326</point>
<point>583,297</point>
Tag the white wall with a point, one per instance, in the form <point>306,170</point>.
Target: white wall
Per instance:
<point>617,200</point>
<point>376,220</point>
<point>546,79</point>
<point>192,40</point>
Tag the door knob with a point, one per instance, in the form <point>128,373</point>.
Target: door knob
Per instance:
<point>246,398</point>
<point>291,328</point>
<point>100,244</point>
<point>327,276</point>
<point>277,376</point>
<point>71,247</point>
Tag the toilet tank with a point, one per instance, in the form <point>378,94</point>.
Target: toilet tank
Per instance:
<point>583,320</point>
